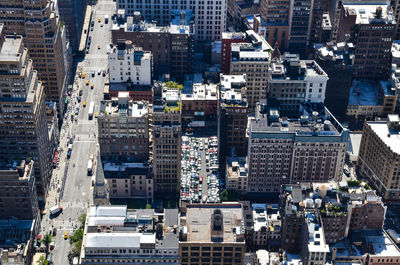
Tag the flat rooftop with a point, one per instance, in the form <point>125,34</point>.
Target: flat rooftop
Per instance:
<point>118,240</point>
<point>232,81</point>
<point>366,12</point>
<point>14,231</point>
<point>390,138</point>
<point>10,49</point>
<point>364,93</point>
<point>202,92</point>
<point>199,220</point>
<point>114,107</point>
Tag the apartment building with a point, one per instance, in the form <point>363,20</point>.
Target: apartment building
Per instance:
<point>123,129</point>
<point>127,63</point>
<point>18,191</point>
<point>236,174</point>
<point>172,46</point>
<point>293,81</point>
<point>252,59</point>
<point>266,230</point>
<point>227,39</point>
<point>300,19</point>
<point>372,28</point>
<point>23,122</point>
<point>212,234</point>
<point>379,156</point>
<point>342,209</point>
<point>310,148</point>
<point>232,116</point>
<point>129,180</point>
<point>200,105</point>
<point>115,235</point>
<point>38,22</point>
<point>209,16</point>
<point>166,136</point>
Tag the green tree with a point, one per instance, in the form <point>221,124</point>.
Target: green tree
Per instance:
<point>148,206</point>
<point>46,240</point>
<point>76,249</point>
<point>42,260</point>
<point>230,195</point>
<point>76,236</point>
<point>82,220</point>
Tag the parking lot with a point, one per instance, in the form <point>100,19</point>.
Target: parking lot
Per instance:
<point>200,179</point>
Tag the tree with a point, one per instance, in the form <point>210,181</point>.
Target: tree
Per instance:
<point>76,236</point>
<point>82,220</point>
<point>42,260</point>
<point>148,206</point>
<point>46,240</point>
<point>229,195</point>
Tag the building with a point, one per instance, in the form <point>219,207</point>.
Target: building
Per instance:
<point>115,234</point>
<point>342,208</point>
<point>395,73</point>
<point>371,27</point>
<point>18,191</point>
<point>42,34</point>
<point>379,156</point>
<point>236,174</point>
<point>166,135</point>
<point>209,17</point>
<point>200,106</point>
<point>300,21</point>
<point>16,240</point>
<point>101,191</point>
<point>293,81</point>
<point>72,12</point>
<point>123,129</point>
<point>227,39</point>
<point>129,64</point>
<point>310,148</point>
<point>129,180</point>
<point>23,116</point>
<point>252,59</point>
<point>172,46</point>
<point>337,62</point>
<point>266,232</point>
<point>233,116</point>
<point>52,125</point>
<point>369,99</point>
<point>136,92</point>
<point>372,246</point>
<point>212,234</point>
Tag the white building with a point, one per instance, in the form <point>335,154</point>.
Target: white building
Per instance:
<point>266,225</point>
<point>128,63</point>
<point>210,15</point>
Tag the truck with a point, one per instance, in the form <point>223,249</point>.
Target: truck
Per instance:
<point>69,154</point>
<point>91,110</point>
<point>55,210</point>
<point>106,19</point>
<point>90,167</point>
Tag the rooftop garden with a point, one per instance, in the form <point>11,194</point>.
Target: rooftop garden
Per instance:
<point>330,210</point>
<point>172,84</point>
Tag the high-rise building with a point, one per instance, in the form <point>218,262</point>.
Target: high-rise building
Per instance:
<point>18,197</point>
<point>172,46</point>
<point>370,26</point>
<point>38,22</point>
<point>209,16</point>
<point>227,39</point>
<point>252,59</point>
<point>123,129</point>
<point>166,139</point>
<point>212,234</point>
<point>311,148</point>
<point>292,81</point>
<point>379,156</point>
<point>23,121</point>
<point>232,116</point>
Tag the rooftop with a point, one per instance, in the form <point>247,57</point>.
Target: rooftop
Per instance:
<point>13,231</point>
<point>291,68</point>
<point>123,107</point>
<point>10,50</point>
<point>316,238</point>
<point>232,81</point>
<point>371,13</point>
<point>236,167</point>
<point>214,223</point>
<point>365,93</point>
<point>266,216</point>
<point>118,240</point>
<point>202,92</point>
<point>340,53</point>
<point>390,137</point>
<point>125,170</point>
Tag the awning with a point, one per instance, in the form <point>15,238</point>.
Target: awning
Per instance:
<point>55,157</point>
<point>66,100</point>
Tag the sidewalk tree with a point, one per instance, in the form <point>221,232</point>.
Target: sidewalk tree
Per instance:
<point>46,240</point>
<point>82,220</point>
<point>42,260</point>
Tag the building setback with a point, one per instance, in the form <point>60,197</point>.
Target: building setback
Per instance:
<point>23,121</point>
<point>379,156</point>
<point>311,148</point>
<point>209,15</point>
<point>39,24</point>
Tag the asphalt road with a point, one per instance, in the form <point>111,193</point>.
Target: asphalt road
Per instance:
<point>75,198</point>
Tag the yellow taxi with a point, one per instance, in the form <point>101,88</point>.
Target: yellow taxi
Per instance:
<point>84,104</point>
<point>98,46</point>
<point>83,75</point>
<point>92,86</point>
<point>99,19</point>
<point>66,235</point>
<point>87,82</point>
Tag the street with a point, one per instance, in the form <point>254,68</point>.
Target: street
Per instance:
<point>72,190</point>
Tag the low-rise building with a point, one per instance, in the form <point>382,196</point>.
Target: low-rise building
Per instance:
<point>212,233</point>
<point>114,234</point>
<point>127,63</point>
<point>123,129</point>
<point>18,196</point>
<point>379,156</point>
<point>236,174</point>
<point>129,180</point>
<point>266,226</point>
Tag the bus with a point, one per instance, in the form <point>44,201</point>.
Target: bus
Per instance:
<point>91,110</point>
